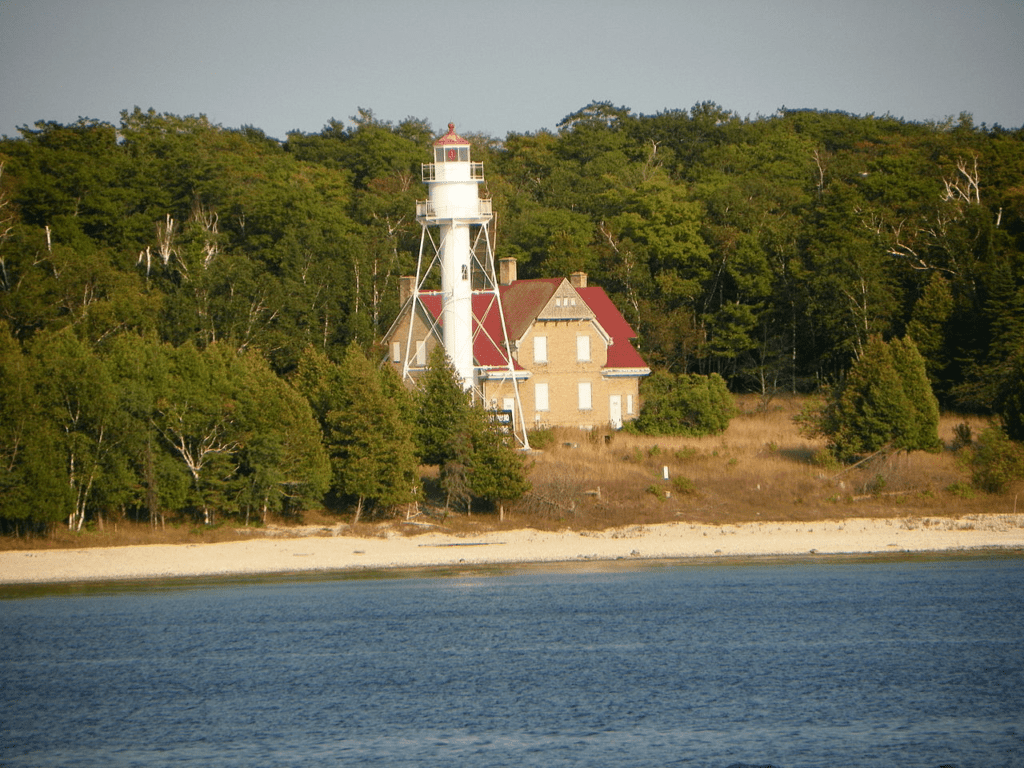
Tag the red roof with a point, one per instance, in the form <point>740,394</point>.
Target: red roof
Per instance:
<point>451,137</point>
<point>522,301</point>
<point>621,353</point>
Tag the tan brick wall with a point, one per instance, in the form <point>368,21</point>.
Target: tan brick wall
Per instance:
<point>563,374</point>
<point>400,334</point>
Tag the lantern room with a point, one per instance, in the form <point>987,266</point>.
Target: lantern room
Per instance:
<point>452,160</point>
<point>451,148</point>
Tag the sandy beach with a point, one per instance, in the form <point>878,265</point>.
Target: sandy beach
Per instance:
<point>670,540</point>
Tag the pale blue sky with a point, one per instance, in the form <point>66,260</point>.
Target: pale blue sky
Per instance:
<point>496,67</point>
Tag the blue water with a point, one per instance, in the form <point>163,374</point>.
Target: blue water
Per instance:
<point>806,664</point>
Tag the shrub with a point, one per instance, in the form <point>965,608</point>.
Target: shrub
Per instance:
<point>685,404</point>
<point>962,490</point>
<point>962,436</point>
<point>885,400</point>
<point>995,461</point>
<point>683,485</point>
<point>541,439</point>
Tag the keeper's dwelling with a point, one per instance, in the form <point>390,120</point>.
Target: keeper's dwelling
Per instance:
<point>572,359</point>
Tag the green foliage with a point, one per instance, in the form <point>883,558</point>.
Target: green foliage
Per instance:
<point>684,404</point>
<point>477,458</point>
<point>962,436</point>
<point>443,409</point>
<point>995,461</point>
<point>884,401</point>
<point>541,439</point>
<point>765,250</point>
<point>282,464</point>
<point>34,489</point>
<point>962,490</point>
<point>922,431</point>
<point>1009,398</point>
<point>683,485</point>
<point>78,397</point>
<point>497,469</point>
<point>928,322</point>
<point>370,444</point>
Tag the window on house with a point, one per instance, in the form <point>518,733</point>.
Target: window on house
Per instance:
<point>396,351</point>
<point>421,352</point>
<point>585,401</point>
<point>540,349</point>
<point>540,396</point>
<point>583,349</point>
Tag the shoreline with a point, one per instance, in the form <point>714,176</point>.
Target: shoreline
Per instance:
<point>662,541</point>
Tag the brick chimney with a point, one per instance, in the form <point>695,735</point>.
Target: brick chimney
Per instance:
<point>507,271</point>
<point>578,279</point>
<point>405,286</point>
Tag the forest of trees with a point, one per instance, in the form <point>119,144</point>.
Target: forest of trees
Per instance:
<point>169,288</point>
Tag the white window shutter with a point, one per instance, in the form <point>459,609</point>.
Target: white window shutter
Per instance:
<point>585,396</point>
<point>540,396</point>
<point>583,349</point>
<point>540,349</point>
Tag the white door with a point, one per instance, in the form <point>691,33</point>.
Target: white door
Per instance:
<point>615,411</point>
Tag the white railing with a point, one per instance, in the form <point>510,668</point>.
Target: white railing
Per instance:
<point>427,211</point>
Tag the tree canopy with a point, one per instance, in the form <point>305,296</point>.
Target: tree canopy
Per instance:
<point>770,251</point>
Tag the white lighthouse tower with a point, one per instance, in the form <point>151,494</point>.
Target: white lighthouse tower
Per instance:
<point>462,252</point>
<point>456,208</point>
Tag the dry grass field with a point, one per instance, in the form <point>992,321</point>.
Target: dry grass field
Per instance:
<point>760,469</point>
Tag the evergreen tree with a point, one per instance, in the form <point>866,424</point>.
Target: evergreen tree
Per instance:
<point>477,459</point>
<point>1009,401</point>
<point>871,408</point>
<point>885,400</point>
<point>923,431</point>
<point>443,410</point>
<point>282,461</point>
<point>927,326</point>
<point>371,447</point>
<point>497,471</point>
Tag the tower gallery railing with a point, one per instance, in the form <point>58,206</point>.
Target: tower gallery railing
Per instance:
<point>427,211</point>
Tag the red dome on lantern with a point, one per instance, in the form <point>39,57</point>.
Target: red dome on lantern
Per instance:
<point>451,137</point>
